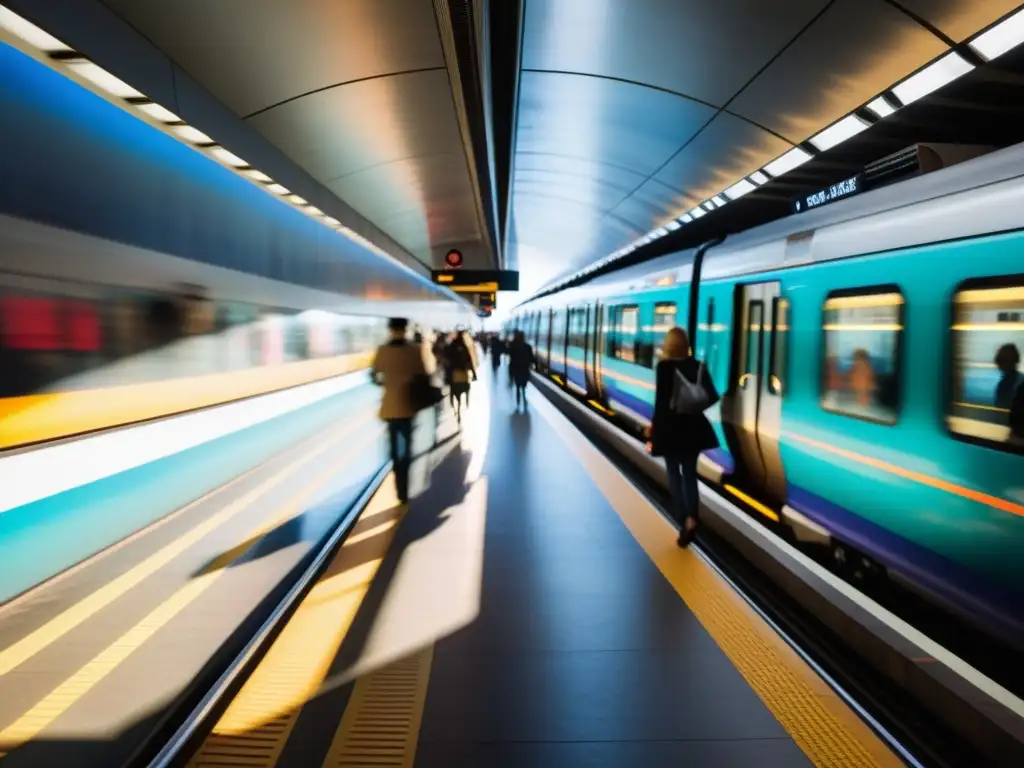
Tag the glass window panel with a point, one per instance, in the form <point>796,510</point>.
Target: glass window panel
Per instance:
<point>988,385</point>
<point>861,362</point>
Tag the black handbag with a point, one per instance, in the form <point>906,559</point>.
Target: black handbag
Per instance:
<point>423,393</point>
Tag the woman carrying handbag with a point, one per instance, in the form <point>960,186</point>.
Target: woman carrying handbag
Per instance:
<point>680,431</point>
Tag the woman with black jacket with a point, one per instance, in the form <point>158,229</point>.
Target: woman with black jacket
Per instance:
<point>680,437</point>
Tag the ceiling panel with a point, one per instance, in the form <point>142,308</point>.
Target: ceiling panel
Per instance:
<point>430,184</point>
<point>652,204</point>
<point>252,55</point>
<point>597,194</point>
<point>855,50</point>
<point>726,151</point>
<point>593,118</point>
<point>343,130</point>
<point>706,50</point>
<point>960,19</point>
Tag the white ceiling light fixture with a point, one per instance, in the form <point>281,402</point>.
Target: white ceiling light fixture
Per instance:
<point>159,112</point>
<point>709,205</point>
<point>839,132</point>
<point>277,189</point>
<point>718,201</point>
<point>312,210</point>
<point>673,225</point>
<point>685,218</point>
<point>228,157</point>
<point>881,106</point>
<point>30,33</point>
<point>98,76</point>
<point>759,178</point>
<point>739,189</point>
<point>660,232</point>
<point>194,135</point>
<point>792,159</point>
<point>332,222</point>
<point>298,200</point>
<point>257,175</point>
<point>696,213</point>
<point>1004,36</point>
<point>931,78</point>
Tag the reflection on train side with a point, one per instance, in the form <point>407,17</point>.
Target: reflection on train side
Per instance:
<point>58,335</point>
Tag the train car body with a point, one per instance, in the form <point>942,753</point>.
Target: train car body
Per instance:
<point>856,349</point>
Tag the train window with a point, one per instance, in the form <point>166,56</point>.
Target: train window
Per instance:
<point>863,330</point>
<point>626,332</point>
<point>987,402</point>
<point>577,327</point>
<point>780,335</point>
<point>664,321</point>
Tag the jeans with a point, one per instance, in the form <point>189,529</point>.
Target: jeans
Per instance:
<point>520,394</point>
<point>682,485</point>
<point>400,434</point>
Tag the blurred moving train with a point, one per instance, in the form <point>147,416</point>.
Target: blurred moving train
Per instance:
<point>868,355</point>
<point>95,334</point>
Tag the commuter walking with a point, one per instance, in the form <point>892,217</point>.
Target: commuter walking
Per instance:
<point>397,367</point>
<point>460,366</point>
<point>680,431</point>
<point>520,363</point>
<point>497,350</point>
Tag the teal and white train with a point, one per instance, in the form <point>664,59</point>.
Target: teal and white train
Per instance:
<point>855,346</point>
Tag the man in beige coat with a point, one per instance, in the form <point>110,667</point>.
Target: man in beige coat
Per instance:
<point>396,366</point>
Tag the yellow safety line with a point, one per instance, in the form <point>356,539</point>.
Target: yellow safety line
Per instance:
<point>24,649</point>
<point>58,701</point>
<point>820,723</point>
<point>257,724</point>
<point>381,724</point>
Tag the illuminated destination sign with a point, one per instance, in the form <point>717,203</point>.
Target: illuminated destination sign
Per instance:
<point>476,281</point>
<point>837,191</point>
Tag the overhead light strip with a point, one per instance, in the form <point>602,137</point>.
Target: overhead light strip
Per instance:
<point>64,56</point>
<point>1003,36</point>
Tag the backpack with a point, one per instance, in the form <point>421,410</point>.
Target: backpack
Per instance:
<point>688,397</point>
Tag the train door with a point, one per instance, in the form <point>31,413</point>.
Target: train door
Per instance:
<point>753,408</point>
<point>595,339</point>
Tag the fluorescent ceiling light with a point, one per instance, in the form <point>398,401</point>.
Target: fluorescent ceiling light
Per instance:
<point>758,178</point>
<point>257,175</point>
<point>709,205</point>
<point>931,78</point>
<point>188,133</point>
<point>673,225</point>
<point>660,232</point>
<point>158,112</point>
<point>277,189</point>
<point>696,213</point>
<point>30,33</point>
<point>330,220</point>
<point>839,132</point>
<point>685,218</point>
<point>100,77</point>
<point>718,201</point>
<point>297,200</point>
<point>792,159</point>
<point>1007,34</point>
<point>739,189</point>
<point>228,157</point>
<point>312,210</point>
<point>881,107</point>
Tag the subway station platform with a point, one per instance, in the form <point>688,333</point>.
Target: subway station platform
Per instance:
<point>528,608</point>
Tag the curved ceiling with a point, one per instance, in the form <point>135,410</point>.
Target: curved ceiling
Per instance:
<point>628,113</point>
<point>632,112</point>
<point>356,92</point>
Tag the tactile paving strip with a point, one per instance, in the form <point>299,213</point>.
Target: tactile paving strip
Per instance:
<point>381,724</point>
<point>821,724</point>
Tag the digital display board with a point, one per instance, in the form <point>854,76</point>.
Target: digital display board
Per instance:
<point>838,191</point>
<point>476,280</point>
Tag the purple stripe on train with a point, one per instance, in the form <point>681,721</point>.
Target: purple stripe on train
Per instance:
<point>997,606</point>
